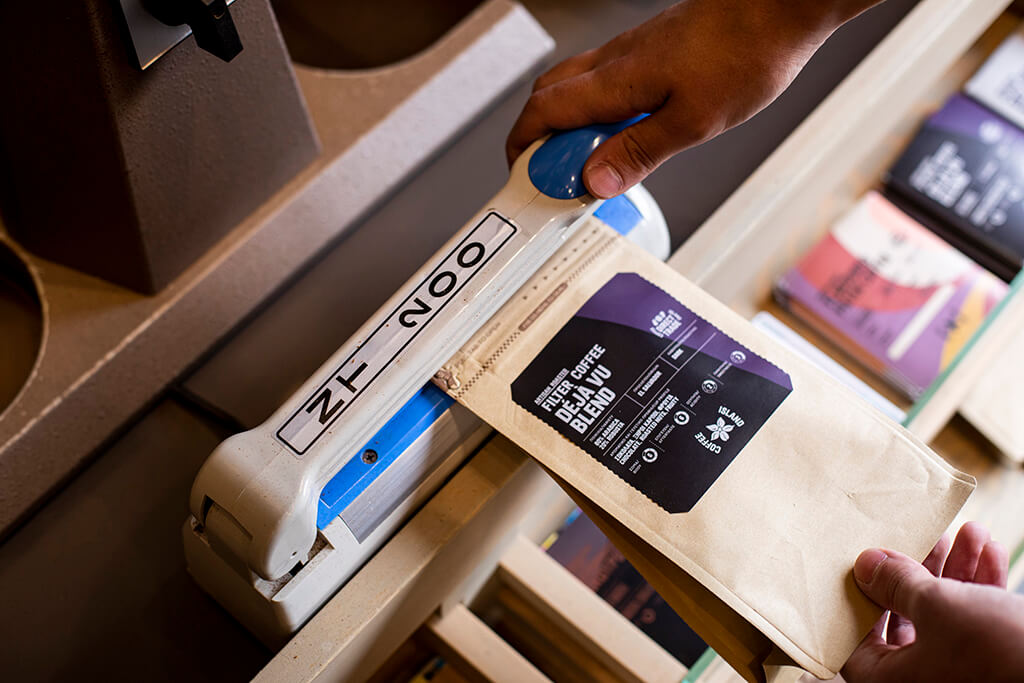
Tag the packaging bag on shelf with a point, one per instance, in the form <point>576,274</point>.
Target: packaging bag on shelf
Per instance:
<point>739,479</point>
<point>891,294</point>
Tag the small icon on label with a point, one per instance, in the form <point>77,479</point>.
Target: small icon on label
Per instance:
<point>990,132</point>
<point>737,357</point>
<point>649,455</point>
<point>709,386</point>
<point>719,430</point>
<point>681,417</point>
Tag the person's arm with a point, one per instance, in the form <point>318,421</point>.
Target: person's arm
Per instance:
<point>963,626</point>
<point>698,68</point>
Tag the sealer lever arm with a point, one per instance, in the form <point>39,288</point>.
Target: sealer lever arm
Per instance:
<point>263,484</point>
<point>210,21</point>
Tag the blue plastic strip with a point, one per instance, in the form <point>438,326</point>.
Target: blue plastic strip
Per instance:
<point>619,213</point>
<point>414,418</point>
<point>556,167</point>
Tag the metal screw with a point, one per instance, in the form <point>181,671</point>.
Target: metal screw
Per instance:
<point>369,456</point>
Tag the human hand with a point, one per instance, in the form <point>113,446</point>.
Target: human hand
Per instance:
<point>698,68</point>
<point>961,627</point>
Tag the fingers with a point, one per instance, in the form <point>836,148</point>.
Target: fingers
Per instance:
<point>993,565</point>
<point>962,562</point>
<point>875,662</point>
<point>627,158</point>
<point>898,583</point>
<point>597,96</point>
<point>893,581</point>
<point>976,558</point>
<point>901,630</point>
<point>861,664</point>
<point>573,66</point>
<point>937,557</point>
<point>865,660</point>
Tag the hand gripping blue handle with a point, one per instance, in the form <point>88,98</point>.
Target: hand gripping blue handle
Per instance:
<point>556,168</point>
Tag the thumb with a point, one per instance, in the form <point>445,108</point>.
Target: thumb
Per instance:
<point>625,159</point>
<point>894,581</point>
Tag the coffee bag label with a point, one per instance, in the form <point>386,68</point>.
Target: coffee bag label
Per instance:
<point>653,391</point>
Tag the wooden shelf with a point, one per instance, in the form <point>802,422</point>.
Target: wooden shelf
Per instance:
<point>462,637</point>
<point>591,625</point>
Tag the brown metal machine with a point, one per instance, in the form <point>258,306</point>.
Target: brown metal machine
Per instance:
<point>129,164</point>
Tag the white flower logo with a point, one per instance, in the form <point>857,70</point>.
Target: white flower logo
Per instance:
<point>719,430</point>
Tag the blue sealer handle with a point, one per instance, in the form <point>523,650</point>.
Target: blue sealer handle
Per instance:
<point>556,168</point>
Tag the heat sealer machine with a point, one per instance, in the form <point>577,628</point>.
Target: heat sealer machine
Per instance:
<point>283,514</point>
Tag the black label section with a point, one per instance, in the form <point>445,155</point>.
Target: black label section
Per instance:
<point>652,391</point>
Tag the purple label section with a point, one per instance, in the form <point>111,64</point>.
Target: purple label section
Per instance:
<point>651,390</point>
<point>630,300</point>
<point>963,174</point>
<point>966,117</point>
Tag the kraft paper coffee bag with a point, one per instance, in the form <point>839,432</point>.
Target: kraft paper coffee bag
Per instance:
<point>742,481</point>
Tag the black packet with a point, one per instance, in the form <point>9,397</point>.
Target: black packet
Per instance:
<point>962,176</point>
